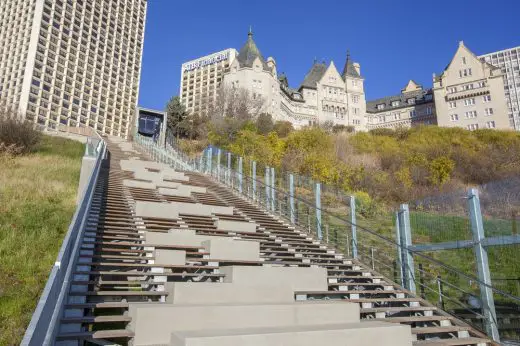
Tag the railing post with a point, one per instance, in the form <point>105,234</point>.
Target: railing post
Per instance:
<point>267,189</point>
<point>209,161</point>
<point>254,180</point>
<point>399,249</point>
<point>273,193</point>
<point>240,174</point>
<point>353,226</point>
<point>291,199</point>
<point>219,153</point>
<point>406,242</point>
<point>486,293</point>
<point>229,169</point>
<point>318,210</point>
<point>201,162</point>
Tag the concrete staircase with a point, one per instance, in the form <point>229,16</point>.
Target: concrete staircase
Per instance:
<point>173,258</point>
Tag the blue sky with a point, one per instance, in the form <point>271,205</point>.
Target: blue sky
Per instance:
<point>394,41</point>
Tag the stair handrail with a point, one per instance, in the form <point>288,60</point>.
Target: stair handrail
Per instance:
<point>45,321</point>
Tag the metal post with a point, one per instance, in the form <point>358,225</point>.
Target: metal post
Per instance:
<point>254,180</point>
<point>267,189</point>
<point>440,289</point>
<point>421,281</point>
<point>406,242</point>
<point>219,153</point>
<point>353,226</point>
<point>486,293</point>
<point>240,174</point>
<point>399,249</point>
<point>273,193</point>
<point>327,233</point>
<point>372,258</point>
<point>318,210</point>
<point>209,161</point>
<point>291,199</point>
<point>229,169</point>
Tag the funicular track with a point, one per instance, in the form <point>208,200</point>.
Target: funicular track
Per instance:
<point>115,268</point>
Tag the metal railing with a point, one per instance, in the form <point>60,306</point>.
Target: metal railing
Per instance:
<point>388,253</point>
<point>45,321</point>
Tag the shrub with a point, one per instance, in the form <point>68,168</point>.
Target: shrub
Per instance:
<point>17,136</point>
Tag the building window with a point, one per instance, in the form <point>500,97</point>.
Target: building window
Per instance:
<point>471,114</point>
<point>487,98</point>
<point>481,84</point>
<point>354,83</point>
<point>381,106</point>
<point>452,90</point>
<point>489,111</point>
<point>355,98</point>
<point>395,103</point>
<point>472,127</point>
<point>465,72</point>
<point>429,110</point>
<point>355,111</point>
<point>464,60</point>
<point>469,102</point>
<point>411,101</point>
<point>413,113</point>
<point>454,117</point>
<point>453,104</point>
<point>490,124</point>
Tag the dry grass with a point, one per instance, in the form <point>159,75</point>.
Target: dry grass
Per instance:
<point>37,201</point>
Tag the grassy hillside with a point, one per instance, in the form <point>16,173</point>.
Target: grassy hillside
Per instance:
<point>37,201</point>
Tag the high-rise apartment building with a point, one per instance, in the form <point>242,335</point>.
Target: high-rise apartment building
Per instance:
<point>509,62</point>
<point>72,62</point>
<point>201,77</point>
<point>469,93</point>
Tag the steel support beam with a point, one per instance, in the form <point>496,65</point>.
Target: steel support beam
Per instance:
<point>406,255</point>
<point>486,293</point>
<point>353,226</point>
<point>254,179</point>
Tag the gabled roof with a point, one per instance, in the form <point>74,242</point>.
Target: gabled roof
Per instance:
<point>418,95</point>
<point>249,52</point>
<point>349,70</point>
<point>313,76</point>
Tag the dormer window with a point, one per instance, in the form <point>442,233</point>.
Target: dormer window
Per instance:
<point>411,101</point>
<point>395,103</point>
<point>381,106</point>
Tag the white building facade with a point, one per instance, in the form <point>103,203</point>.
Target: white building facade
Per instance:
<point>508,61</point>
<point>201,77</point>
<point>74,63</point>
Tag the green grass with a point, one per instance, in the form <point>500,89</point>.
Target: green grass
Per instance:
<point>37,201</point>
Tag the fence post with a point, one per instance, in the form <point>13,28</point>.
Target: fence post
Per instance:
<point>291,199</point>
<point>201,162</point>
<point>240,174</point>
<point>406,242</point>
<point>254,180</point>
<point>267,189</point>
<point>219,153</point>
<point>486,293</point>
<point>273,193</point>
<point>318,210</point>
<point>229,169</point>
<point>353,226</point>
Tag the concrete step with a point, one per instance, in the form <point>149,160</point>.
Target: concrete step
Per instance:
<point>366,334</point>
<point>153,324</point>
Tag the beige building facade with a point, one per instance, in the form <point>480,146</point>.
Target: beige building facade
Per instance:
<point>325,95</point>
<point>413,106</point>
<point>75,63</point>
<point>469,93</point>
<point>201,78</point>
<point>509,62</point>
